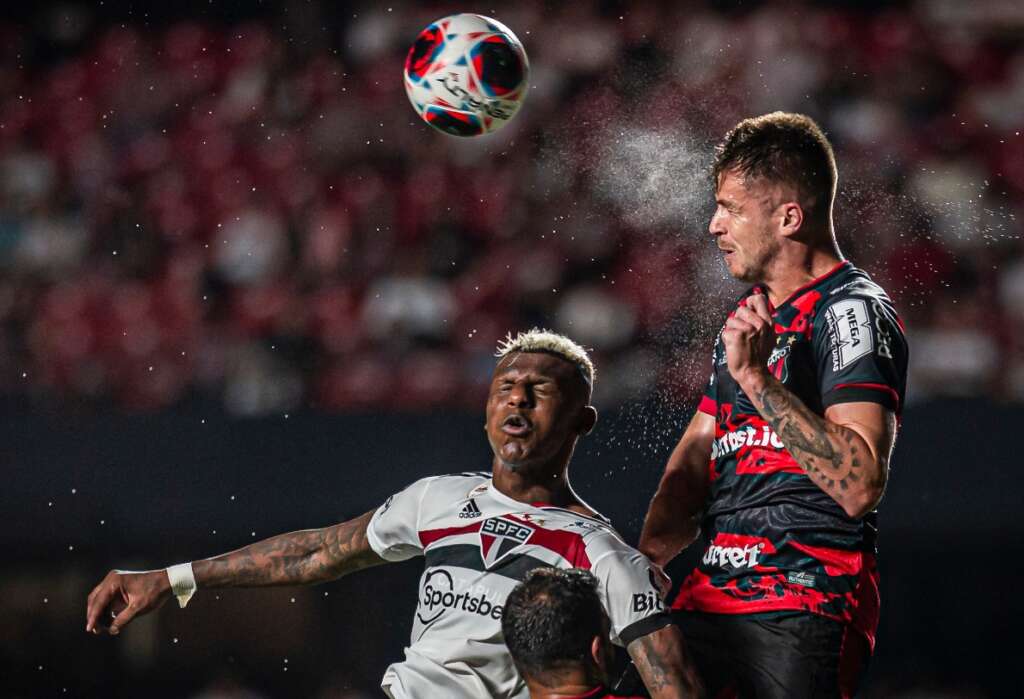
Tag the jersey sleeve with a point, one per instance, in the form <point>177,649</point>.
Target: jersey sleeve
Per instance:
<point>861,353</point>
<point>393,532</point>
<point>709,399</point>
<point>630,595</point>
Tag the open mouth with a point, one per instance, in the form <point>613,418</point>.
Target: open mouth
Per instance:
<point>516,425</point>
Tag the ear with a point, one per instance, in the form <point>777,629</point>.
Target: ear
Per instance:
<point>792,218</point>
<point>597,653</point>
<point>588,418</point>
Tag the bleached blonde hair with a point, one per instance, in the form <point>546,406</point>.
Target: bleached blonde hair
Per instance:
<point>541,340</point>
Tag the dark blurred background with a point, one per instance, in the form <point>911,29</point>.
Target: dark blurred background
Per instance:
<point>243,289</point>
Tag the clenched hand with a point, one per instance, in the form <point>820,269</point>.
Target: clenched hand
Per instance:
<point>749,338</point>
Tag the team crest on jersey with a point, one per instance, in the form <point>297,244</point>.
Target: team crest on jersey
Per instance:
<point>499,537</point>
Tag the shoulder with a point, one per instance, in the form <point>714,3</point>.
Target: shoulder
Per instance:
<point>856,296</point>
<point>456,484</point>
<point>600,537</point>
<point>854,284</point>
<point>449,486</point>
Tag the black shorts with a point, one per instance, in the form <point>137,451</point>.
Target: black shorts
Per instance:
<point>789,655</point>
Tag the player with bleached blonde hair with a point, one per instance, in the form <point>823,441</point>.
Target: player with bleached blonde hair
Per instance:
<point>479,534</point>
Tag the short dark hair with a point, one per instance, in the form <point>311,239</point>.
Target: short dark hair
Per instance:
<point>785,148</point>
<point>550,620</point>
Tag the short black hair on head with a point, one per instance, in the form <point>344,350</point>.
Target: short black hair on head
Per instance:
<point>784,148</point>
<point>550,620</point>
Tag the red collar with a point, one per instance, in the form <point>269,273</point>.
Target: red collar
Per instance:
<point>598,691</point>
<point>811,284</point>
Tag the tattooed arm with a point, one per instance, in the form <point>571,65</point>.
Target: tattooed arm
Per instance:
<point>661,659</point>
<point>298,558</point>
<point>846,453</point>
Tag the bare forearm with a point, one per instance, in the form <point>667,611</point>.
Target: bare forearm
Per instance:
<point>297,558</point>
<point>835,457</point>
<point>667,530</point>
<point>673,518</point>
<point>660,658</point>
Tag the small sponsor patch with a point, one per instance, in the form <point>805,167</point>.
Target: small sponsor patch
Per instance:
<point>849,329</point>
<point>799,578</point>
<point>470,510</point>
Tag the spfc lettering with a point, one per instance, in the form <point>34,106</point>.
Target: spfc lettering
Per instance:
<point>499,537</point>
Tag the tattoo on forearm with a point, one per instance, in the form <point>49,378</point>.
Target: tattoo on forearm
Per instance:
<point>651,665</point>
<point>302,557</point>
<point>662,662</point>
<point>826,451</point>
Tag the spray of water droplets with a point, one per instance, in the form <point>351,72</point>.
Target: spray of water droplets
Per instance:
<point>654,178</point>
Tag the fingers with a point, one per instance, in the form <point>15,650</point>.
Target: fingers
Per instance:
<point>99,600</point>
<point>752,318</point>
<point>758,303</point>
<point>124,618</point>
<point>738,323</point>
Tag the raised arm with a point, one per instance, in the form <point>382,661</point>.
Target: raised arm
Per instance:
<point>297,558</point>
<point>661,659</point>
<point>673,517</point>
<point>846,452</point>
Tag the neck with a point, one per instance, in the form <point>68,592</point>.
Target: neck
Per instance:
<point>796,265</point>
<point>533,484</point>
<point>574,686</point>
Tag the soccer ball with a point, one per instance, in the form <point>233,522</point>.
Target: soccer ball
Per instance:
<point>466,75</point>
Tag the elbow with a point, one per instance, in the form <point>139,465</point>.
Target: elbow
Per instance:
<point>864,501</point>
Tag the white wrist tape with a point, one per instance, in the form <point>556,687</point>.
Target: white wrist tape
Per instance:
<point>183,582</point>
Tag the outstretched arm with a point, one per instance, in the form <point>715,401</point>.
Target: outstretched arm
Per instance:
<point>661,659</point>
<point>297,558</point>
<point>673,517</point>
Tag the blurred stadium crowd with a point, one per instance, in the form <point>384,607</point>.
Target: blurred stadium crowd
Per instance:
<point>251,212</point>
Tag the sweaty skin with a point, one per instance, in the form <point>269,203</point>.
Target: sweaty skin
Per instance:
<point>299,558</point>
<point>673,518</point>
<point>846,453</point>
<point>537,409</point>
<point>767,236</point>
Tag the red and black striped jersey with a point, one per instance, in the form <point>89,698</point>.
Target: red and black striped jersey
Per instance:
<point>776,541</point>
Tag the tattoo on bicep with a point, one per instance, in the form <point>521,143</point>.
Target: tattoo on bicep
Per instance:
<point>347,548</point>
<point>826,451</point>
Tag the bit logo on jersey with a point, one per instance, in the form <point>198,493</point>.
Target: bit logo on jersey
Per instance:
<point>499,536</point>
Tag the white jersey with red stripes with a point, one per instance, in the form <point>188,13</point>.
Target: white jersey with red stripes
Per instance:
<point>478,544</point>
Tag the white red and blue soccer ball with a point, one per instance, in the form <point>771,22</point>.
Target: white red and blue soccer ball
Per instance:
<point>466,75</point>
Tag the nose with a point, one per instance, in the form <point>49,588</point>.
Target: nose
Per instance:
<point>717,224</point>
<point>519,396</point>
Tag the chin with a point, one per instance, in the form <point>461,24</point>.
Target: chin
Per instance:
<point>744,274</point>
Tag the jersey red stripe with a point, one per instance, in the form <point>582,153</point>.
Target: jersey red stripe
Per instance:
<point>836,561</point>
<point>874,387</point>
<point>708,406</point>
<point>429,536</point>
<point>568,545</point>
